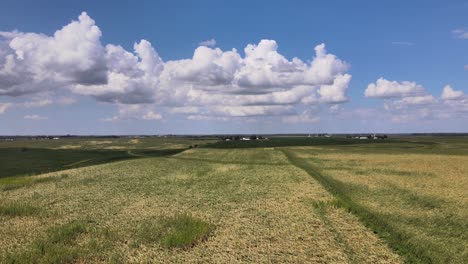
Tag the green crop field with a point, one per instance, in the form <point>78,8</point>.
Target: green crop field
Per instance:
<point>282,200</point>
<point>31,157</point>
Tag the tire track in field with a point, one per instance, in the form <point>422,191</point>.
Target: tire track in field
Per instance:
<point>395,238</point>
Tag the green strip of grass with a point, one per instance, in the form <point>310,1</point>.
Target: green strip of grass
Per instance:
<point>179,231</point>
<point>399,239</point>
<point>13,183</point>
<point>392,172</point>
<point>19,209</point>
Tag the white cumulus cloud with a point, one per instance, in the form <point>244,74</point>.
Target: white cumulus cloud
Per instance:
<point>408,107</point>
<point>448,93</point>
<point>383,88</point>
<point>132,77</point>
<point>33,62</point>
<point>223,83</point>
<point>336,92</point>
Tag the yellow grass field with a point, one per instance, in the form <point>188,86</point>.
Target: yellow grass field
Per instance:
<point>419,200</point>
<point>390,202</point>
<point>262,208</point>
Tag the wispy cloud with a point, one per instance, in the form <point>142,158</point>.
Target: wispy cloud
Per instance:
<point>66,100</point>
<point>110,119</point>
<point>152,116</point>
<point>466,67</point>
<point>460,33</point>
<point>38,103</point>
<point>134,112</point>
<point>4,107</point>
<point>208,43</point>
<point>402,43</point>
<point>35,117</point>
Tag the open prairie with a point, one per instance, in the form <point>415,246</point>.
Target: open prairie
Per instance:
<point>348,201</point>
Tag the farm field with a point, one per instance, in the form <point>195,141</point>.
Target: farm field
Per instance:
<point>111,143</point>
<point>413,195</point>
<point>31,157</point>
<point>346,201</point>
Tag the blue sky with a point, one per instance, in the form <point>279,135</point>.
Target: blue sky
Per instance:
<point>419,49</point>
